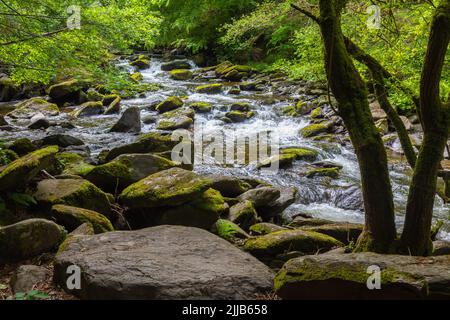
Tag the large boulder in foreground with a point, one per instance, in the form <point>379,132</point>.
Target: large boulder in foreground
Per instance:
<point>73,192</point>
<point>18,173</point>
<point>345,276</point>
<point>186,263</point>
<point>29,238</point>
<point>172,187</point>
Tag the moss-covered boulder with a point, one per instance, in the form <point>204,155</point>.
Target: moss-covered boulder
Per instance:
<point>229,231</point>
<point>281,161</point>
<point>317,113</point>
<point>261,197</point>
<point>234,91</point>
<point>72,192</point>
<point>148,143</point>
<point>94,95</point>
<point>175,65</point>
<point>112,104</point>
<point>29,238</point>
<point>8,90</point>
<point>65,91</point>
<point>233,72</point>
<point>239,116</point>
<point>344,232</point>
<point>323,172</point>
<point>137,76</point>
<point>172,187</point>
<point>301,153</point>
<point>22,146</point>
<point>214,88</point>
<point>32,107</point>
<point>169,104</point>
<point>19,172</point>
<point>240,106</point>
<point>313,130</point>
<point>306,242</point>
<point>72,164</point>
<point>201,212</point>
<point>141,63</point>
<point>201,107</point>
<point>181,74</point>
<point>305,221</point>
<point>263,228</point>
<point>73,217</point>
<point>345,276</point>
<point>91,108</point>
<point>175,123</point>
<point>126,170</point>
<point>229,186</point>
<point>243,214</point>
<point>7,156</point>
<point>61,140</point>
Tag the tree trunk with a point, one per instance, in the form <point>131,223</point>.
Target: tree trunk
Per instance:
<point>350,91</point>
<point>416,237</point>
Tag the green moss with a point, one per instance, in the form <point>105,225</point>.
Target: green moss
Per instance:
<point>316,113</point>
<point>239,116</point>
<point>137,76</point>
<point>181,74</point>
<point>22,146</point>
<point>169,104</point>
<point>314,130</point>
<point>324,172</point>
<point>229,231</point>
<point>264,228</point>
<point>301,153</point>
<point>201,107</point>
<point>142,62</point>
<point>7,156</point>
<point>73,164</point>
<point>73,217</point>
<point>210,88</point>
<point>244,214</point>
<point>282,161</point>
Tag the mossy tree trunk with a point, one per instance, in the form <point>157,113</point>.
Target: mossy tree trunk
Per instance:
<point>435,117</point>
<point>350,91</point>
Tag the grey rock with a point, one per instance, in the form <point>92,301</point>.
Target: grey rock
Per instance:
<point>129,122</point>
<point>261,196</point>
<point>27,276</point>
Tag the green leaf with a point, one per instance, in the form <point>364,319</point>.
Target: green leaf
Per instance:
<point>22,199</point>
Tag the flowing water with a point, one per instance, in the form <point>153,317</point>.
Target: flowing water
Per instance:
<point>338,199</point>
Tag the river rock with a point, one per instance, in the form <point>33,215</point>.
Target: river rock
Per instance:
<point>313,130</point>
<point>61,140</point>
<point>201,107</point>
<point>263,228</point>
<point>229,231</point>
<point>243,214</point>
<point>29,238</point>
<point>112,104</point>
<point>229,186</point>
<point>141,63</point>
<point>22,146</point>
<point>377,112</point>
<point>344,232</point>
<point>130,121</point>
<point>181,74</point>
<point>127,265</point>
<point>172,187</point>
<point>345,276</point>
<point>215,88</point>
<point>65,91</point>
<point>301,153</point>
<point>72,217</point>
<point>306,242</point>
<point>148,143</point>
<point>126,170</point>
<point>202,211</point>
<point>73,192</point>
<point>181,118</point>
<point>27,276</point>
<point>261,196</point>
<point>441,248</point>
<point>169,104</point>
<point>176,64</point>
<point>239,116</point>
<point>87,109</point>
<point>39,121</point>
<point>18,173</point>
<point>288,195</point>
<point>304,221</point>
<point>29,108</point>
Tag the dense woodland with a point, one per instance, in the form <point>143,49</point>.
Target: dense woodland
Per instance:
<point>366,83</point>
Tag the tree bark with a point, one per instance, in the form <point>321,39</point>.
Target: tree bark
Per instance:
<point>416,237</point>
<point>350,91</point>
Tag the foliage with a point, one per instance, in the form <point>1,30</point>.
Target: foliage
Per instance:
<point>31,295</point>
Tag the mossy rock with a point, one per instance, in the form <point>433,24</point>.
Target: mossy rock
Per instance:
<point>28,239</point>
<point>279,242</point>
<point>61,140</point>
<point>126,170</point>
<point>181,74</point>
<point>229,231</point>
<point>344,232</point>
<point>239,116</point>
<point>282,161</point>
<point>33,106</point>
<point>263,228</point>
<point>112,104</point>
<point>243,214</point>
<point>302,221</point>
<point>141,63</point>
<point>94,95</point>
<point>7,156</point>
<point>215,88</point>
<point>234,73</point>
<point>220,68</point>
<point>202,211</point>
<point>169,104</point>
<point>148,143</point>
<point>22,146</point>
<point>73,192</point>
<point>172,187</point>
<point>234,91</point>
<point>91,108</point>
<point>316,113</point>
<point>240,106</point>
<point>301,153</point>
<point>324,172</point>
<point>19,172</point>
<point>137,76</point>
<point>72,164</point>
<point>175,123</point>
<point>65,91</point>
<point>175,65</point>
<point>201,107</point>
<point>229,186</point>
<point>313,130</point>
<point>73,217</point>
